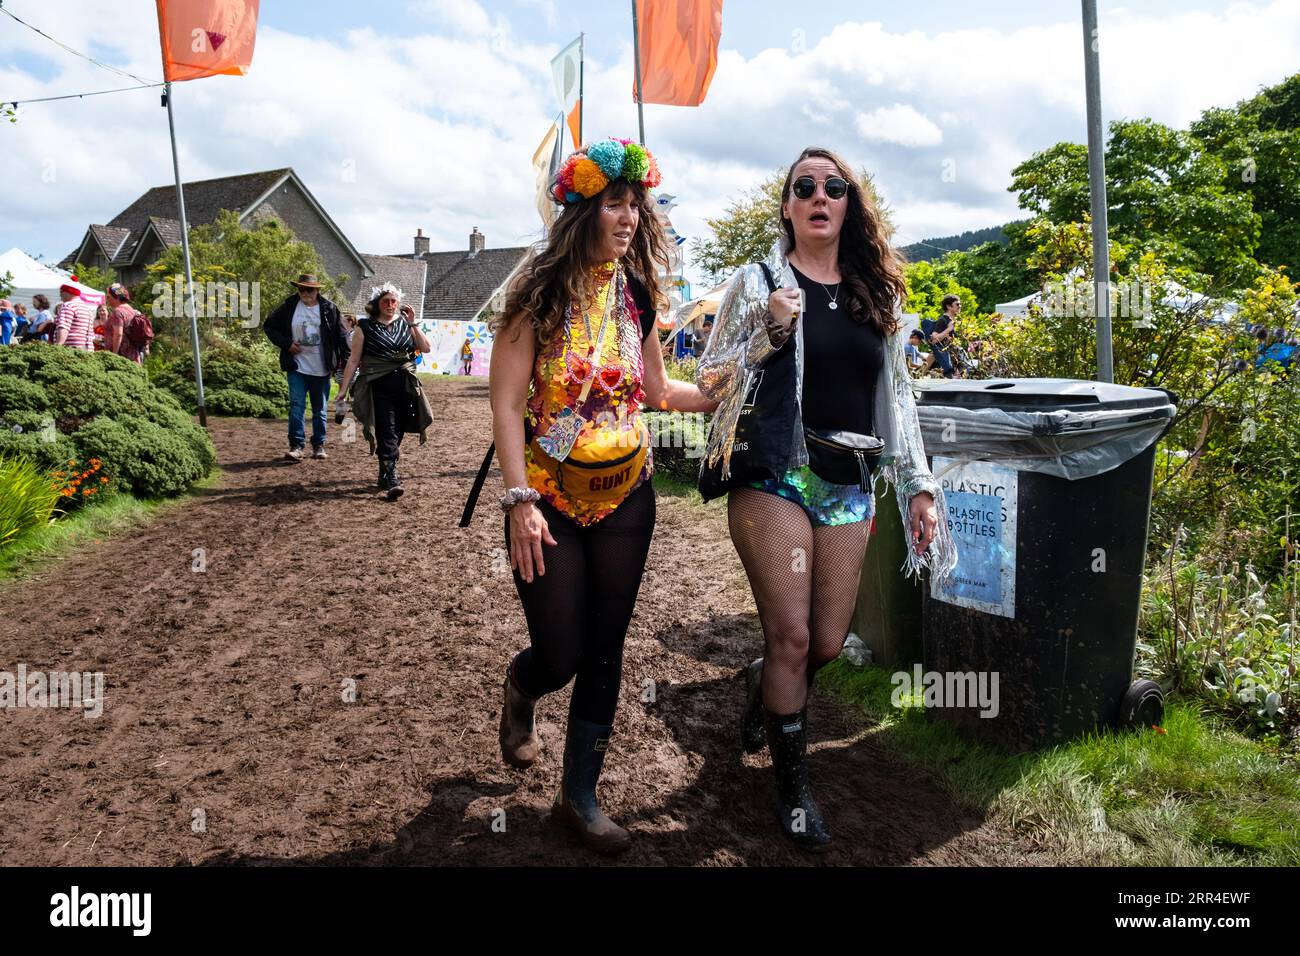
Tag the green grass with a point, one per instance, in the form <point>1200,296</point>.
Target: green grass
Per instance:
<point>33,551</point>
<point>1197,795</point>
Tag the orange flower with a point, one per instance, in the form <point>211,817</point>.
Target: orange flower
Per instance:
<point>103,479</point>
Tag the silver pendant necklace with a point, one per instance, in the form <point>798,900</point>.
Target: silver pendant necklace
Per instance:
<point>834,298</point>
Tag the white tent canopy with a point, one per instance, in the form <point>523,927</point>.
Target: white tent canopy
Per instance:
<point>31,277</point>
<point>1019,307</point>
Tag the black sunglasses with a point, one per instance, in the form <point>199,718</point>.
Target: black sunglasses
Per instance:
<point>805,186</point>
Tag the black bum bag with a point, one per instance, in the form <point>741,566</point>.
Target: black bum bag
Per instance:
<point>843,458</point>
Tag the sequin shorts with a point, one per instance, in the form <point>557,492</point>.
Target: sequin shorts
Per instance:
<point>825,503</point>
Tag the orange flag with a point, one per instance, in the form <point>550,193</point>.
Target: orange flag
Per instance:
<point>206,37</point>
<point>679,49</point>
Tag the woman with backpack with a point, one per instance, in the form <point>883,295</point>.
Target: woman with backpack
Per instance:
<point>579,327</point>
<point>126,331</point>
<point>806,345</point>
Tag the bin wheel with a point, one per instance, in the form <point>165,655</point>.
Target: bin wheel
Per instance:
<point>1143,706</point>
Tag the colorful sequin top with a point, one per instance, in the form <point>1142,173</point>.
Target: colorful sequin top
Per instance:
<point>613,405</point>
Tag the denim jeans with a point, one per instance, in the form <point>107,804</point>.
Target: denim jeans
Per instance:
<point>300,386</point>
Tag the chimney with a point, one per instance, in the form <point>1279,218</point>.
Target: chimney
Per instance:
<point>421,242</point>
<point>476,242</point>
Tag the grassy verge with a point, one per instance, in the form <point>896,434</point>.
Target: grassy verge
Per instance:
<point>33,551</point>
<point>1196,795</point>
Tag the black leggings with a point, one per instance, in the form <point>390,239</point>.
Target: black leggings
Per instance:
<point>388,395</point>
<point>579,610</point>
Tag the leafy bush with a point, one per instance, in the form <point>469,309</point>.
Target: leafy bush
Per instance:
<point>146,459</point>
<point>242,380</point>
<point>27,497</point>
<point>59,404</point>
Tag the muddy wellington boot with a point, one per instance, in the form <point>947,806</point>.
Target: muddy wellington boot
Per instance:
<point>753,737</point>
<point>787,738</point>
<point>575,807</point>
<point>520,744</point>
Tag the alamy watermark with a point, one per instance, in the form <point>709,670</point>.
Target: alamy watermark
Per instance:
<point>1128,300</point>
<point>51,689</point>
<point>212,300</point>
<point>947,689</point>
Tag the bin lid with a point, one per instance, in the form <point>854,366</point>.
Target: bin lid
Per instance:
<point>1041,394</point>
<point>1058,426</point>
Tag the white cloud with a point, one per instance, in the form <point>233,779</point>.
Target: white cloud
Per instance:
<point>439,116</point>
<point>900,124</point>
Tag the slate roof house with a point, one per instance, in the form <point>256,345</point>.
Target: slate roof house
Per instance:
<point>458,286</point>
<point>140,233</point>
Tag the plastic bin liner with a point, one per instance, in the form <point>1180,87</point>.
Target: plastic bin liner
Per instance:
<point>1063,427</point>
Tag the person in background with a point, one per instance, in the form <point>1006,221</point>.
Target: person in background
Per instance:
<point>7,322</point>
<point>341,403</point>
<point>41,325</point>
<point>307,329</point>
<point>466,357</point>
<point>388,400</point>
<point>74,325</point>
<point>21,324</point>
<point>115,324</point>
<point>913,349</point>
<point>942,334</point>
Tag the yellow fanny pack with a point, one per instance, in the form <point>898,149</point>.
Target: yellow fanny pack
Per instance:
<point>602,469</point>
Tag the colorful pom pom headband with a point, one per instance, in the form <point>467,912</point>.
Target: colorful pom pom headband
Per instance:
<point>588,171</point>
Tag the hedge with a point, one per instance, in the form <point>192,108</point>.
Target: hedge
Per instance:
<point>239,380</point>
<point>59,404</point>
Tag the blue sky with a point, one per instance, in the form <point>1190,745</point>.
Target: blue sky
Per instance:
<point>406,114</point>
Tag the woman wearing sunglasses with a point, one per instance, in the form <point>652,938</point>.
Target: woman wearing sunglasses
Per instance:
<point>579,328</point>
<point>801,533</point>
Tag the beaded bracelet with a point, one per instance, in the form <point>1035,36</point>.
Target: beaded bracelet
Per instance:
<point>514,496</point>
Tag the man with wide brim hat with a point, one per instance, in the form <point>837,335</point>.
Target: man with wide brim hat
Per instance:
<point>308,330</point>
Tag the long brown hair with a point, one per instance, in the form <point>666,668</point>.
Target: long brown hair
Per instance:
<point>872,272</point>
<point>558,272</point>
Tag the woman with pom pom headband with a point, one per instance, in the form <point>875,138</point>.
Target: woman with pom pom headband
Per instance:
<point>588,171</point>
<point>564,395</point>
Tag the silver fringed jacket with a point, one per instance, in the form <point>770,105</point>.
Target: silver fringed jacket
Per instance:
<point>737,348</point>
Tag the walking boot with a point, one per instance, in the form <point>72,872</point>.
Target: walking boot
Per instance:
<point>752,736</point>
<point>787,738</point>
<point>520,744</point>
<point>575,807</point>
<point>394,482</point>
<point>383,475</point>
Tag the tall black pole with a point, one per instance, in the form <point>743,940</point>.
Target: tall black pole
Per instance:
<point>636,58</point>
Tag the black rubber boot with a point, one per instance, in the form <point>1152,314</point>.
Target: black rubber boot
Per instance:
<point>787,738</point>
<point>394,482</point>
<point>753,737</point>
<point>576,807</point>
<point>383,475</point>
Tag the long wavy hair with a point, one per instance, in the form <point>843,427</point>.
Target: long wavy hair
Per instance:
<point>870,269</point>
<point>559,270</point>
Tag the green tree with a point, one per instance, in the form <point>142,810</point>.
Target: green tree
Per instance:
<point>993,272</point>
<point>1164,193</point>
<point>746,231</point>
<point>94,276</point>
<point>6,283</point>
<point>267,256</point>
<point>1258,142</point>
<point>929,282</point>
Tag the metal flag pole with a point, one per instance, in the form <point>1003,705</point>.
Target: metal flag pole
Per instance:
<point>1097,190</point>
<point>185,250</point>
<point>636,58</point>
<point>582,106</point>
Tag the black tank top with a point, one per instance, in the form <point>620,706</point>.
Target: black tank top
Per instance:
<point>842,359</point>
<point>390,342</point>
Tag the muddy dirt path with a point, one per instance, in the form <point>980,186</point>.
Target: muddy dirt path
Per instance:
<point>225,736</point>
